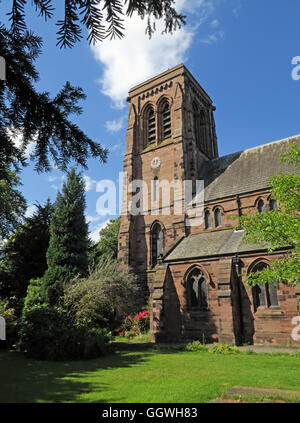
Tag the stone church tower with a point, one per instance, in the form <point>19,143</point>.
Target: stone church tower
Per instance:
<point>195,276</point>
<point>171,133</point>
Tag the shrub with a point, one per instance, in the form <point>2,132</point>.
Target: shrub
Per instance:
<point>224,349</point>
<point>195,346</point>
<point>86,304</point>
<point>46,334</point>
<point>102,299</point>
<point>33,296</point>
<point>134,325</point>
<point>296,353</point>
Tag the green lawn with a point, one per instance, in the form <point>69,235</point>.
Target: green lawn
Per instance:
<point>139,374</point>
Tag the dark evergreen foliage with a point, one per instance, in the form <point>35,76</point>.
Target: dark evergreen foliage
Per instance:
<point>24,256</point>
<point>67,253</point>
<point>101,18</point>
<point>12,204</point>
<point>46,334</point>
<point>36,115</point>
<point>108,244</point>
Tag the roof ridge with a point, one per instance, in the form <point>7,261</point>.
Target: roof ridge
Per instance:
<point>291,138</point>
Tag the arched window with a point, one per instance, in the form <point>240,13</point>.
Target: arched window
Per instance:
<point>218,218</point>
<point>157,241</point>
<point>273,204</point>
<point>264,295</point>
<point>261,206</point>
<point>150,126</point>
<point>207,218</point>
<point>197,289</point>
<point>166,122</point>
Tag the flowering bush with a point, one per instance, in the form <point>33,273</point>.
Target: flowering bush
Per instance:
<point>103,298</point>
<point>134,325</point>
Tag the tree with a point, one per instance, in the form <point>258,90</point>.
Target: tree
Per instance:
<point>67,252</point>
<point>28,115</point>
<point>106,295</point>
<point>34,116</point>
<point>280,227</point>
<point>12,205</point>
<point>24,256</point>
<point>108,244</point>
<point>101,18</point>
<point>37,116</point>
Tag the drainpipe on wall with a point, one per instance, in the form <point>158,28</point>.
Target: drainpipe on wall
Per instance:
<point>237,265</point>
<point>238,202</point>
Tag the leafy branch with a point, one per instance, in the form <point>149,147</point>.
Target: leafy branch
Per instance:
<point>89,14</point>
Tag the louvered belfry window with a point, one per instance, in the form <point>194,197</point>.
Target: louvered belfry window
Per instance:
<point>151,127</point>
<point>166,122</point>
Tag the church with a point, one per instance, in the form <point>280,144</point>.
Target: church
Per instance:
<point>195,275</point>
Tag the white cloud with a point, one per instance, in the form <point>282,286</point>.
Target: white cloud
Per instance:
<point>56,178</point>
<point>115,147</point>
<point>114,125</point>
<point>237,6</point>
<point>90,219</point>
<point>94,235</point>
<point>30,210</point>
<point>215,23</point>
<point>135,58</point>
<point>89,182</point>
<point>212,38</point>
<point>16,136</point>
<point>58,181</point>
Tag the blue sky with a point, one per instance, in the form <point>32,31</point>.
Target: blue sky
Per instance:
<point>240,51</point>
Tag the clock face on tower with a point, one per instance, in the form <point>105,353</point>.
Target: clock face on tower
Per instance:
<point>155,163</point>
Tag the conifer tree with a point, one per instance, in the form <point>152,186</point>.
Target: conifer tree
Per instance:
<point>24,256</point>
<point>67,252</point>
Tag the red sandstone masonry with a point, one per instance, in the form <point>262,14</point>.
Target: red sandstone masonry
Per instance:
<point>170,316</point>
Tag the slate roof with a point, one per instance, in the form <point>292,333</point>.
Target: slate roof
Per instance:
<point>208,244</point>
<point>233,174</point>
<point>246,170</point>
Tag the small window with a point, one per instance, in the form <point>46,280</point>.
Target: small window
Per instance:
<point>264,295</point>
<point>197,290</point>
<point>207,219</point>
<point>218,218</point>
<point>166,122</point>
<point>273,204</point>
<point>155,188</point>
<point>261,206</point>
<point>151,127</point>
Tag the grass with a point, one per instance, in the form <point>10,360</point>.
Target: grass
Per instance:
<point>143,375</point>
<point>141,338</point>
